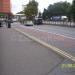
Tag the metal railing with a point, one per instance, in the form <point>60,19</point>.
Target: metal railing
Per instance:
<point>61,23</point>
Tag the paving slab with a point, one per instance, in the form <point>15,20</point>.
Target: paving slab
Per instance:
<point>22,56</point>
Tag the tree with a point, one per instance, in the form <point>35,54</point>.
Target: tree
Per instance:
<point>73,10</point>
<point>21,12</point>
<point>57,9</point>
<point>40,15</point>
<point>31,9</point>
<point>45,14</point>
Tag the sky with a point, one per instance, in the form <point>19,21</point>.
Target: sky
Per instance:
<point>17,5</point>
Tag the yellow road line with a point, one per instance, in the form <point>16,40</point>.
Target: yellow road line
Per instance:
<point>57,50</point>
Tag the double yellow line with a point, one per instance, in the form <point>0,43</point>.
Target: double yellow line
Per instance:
<point>57,50</point>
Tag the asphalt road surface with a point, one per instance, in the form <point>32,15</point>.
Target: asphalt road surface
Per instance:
<point>66,31</point>
<point>22,56</point>
<point>60,37</point>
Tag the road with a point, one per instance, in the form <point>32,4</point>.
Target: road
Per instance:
<point>22,56</point>
<point>48,34</point>
<point>66,31</point>
<point>67,36</point>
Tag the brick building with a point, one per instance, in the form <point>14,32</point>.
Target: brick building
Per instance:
<point>5,7</point>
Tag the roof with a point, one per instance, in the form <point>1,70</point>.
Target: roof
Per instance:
<point>19,14</point>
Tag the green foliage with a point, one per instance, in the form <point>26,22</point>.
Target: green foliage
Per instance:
<point>31,9</point>
<point>45,14</point>
<point>57,9</point>
<point>40,15</point>
<point>73,10</point>
<point>21,12</point>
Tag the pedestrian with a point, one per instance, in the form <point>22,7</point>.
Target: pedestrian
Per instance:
<point>0,24</point>
<point>9,23</point>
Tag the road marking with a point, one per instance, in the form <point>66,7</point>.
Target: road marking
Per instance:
<point>57,50</point>
<point>58,34</point>
<point>53,33</point>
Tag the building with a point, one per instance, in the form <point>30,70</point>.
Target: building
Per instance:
<point>31,0</point>
<point>5,7</point>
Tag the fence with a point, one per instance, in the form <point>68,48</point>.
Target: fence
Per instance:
<point>61,23</point>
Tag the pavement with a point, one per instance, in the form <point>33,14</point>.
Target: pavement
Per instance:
<point>20,55</point>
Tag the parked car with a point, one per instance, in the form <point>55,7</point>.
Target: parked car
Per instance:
<point>29,23</point>
<point>14,20</point>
